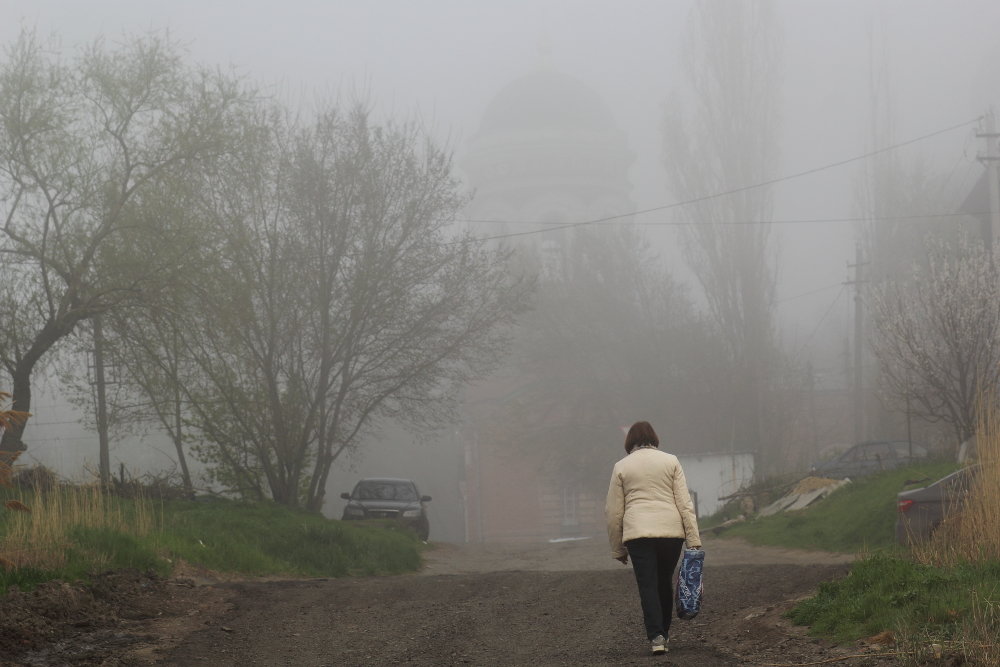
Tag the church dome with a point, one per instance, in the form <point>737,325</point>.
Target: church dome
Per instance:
<point>547,134</point>
<point>546,99</point>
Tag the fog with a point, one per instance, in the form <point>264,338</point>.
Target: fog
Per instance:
<point>445,60</point>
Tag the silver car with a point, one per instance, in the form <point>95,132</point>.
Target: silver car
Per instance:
<point>389,498</point>
<point>867,458</point>
<point>920,511</point>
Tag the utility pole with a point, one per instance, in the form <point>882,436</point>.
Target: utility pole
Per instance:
<point>990,158</point>
<point>102,405</point>
<point>859,336</point>
<point>909,429</point>
<point>813,421</point>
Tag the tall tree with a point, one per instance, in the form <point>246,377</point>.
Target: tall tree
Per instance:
<point>722,138</point>
<point>81,143</point>
<point>340,297</point>
<point>143,360</point>
<point>612,339</point>
<point>145,368</point>
<point>900,202</point>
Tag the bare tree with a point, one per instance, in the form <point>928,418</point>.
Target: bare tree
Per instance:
<point>150,368</point>
<point>722,138</point>
<point>339,298</point>
<point>144,362</point>
<point>900,202</point>
<point>937,336</point>
<point>81,144</point>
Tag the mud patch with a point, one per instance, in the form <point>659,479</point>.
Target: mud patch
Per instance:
<point>117,618</point>
<point>59,623</point>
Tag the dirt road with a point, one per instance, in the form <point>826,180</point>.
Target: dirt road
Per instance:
<point>564,603</point>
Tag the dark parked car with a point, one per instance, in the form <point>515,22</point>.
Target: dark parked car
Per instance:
<point>870,457</point>
<point>920,511</point>
<point>388,498</point>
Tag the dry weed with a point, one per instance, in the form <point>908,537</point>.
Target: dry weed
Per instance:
<point>38,539</point>
<point>981,631</point>
<point>971,533</point>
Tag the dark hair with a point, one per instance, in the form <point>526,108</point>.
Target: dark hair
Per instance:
<point>641,433</point>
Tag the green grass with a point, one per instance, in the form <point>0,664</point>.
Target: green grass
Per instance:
<point>886,589</point>
<point>264,538</point>
<point>940,598</point>
<point>226,536</point>
<point>886,593</point>
<point>859,516</point>
<point>91,550</point>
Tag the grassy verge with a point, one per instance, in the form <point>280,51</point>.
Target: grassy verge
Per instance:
<point>859,516</point>
<point>264,538</point>
<point>67,532</point>
<point>74,531</point>
<point>885,593</point>
<point>939,601</point>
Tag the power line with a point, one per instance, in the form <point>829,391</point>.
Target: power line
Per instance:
<point>61,423</point>
<point>792,221</point>
<point>744,188</point>
<point>809,293</point>
<point>815,330</point>
<point>57,439</point>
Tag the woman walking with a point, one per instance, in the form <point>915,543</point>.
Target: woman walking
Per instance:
<point>650,514</point>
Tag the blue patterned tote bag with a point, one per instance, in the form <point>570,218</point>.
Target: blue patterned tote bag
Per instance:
<point>689,586</point>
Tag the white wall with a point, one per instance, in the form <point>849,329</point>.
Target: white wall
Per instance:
<point>714,476</point>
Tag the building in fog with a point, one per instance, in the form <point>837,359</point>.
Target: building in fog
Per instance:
<point>547,152</point>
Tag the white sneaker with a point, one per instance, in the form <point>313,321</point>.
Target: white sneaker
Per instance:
<point>659,644</point>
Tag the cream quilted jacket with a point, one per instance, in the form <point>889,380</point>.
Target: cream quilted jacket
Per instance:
<point>648,497</point>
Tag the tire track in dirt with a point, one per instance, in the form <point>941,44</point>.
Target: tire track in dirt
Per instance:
<point>563,603</point>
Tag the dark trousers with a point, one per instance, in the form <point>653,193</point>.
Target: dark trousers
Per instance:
<point>653,561</point>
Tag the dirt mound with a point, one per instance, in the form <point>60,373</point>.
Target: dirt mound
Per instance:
<point>60,623</point>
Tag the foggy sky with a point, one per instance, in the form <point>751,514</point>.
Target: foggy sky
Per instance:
<point>445,59</point>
